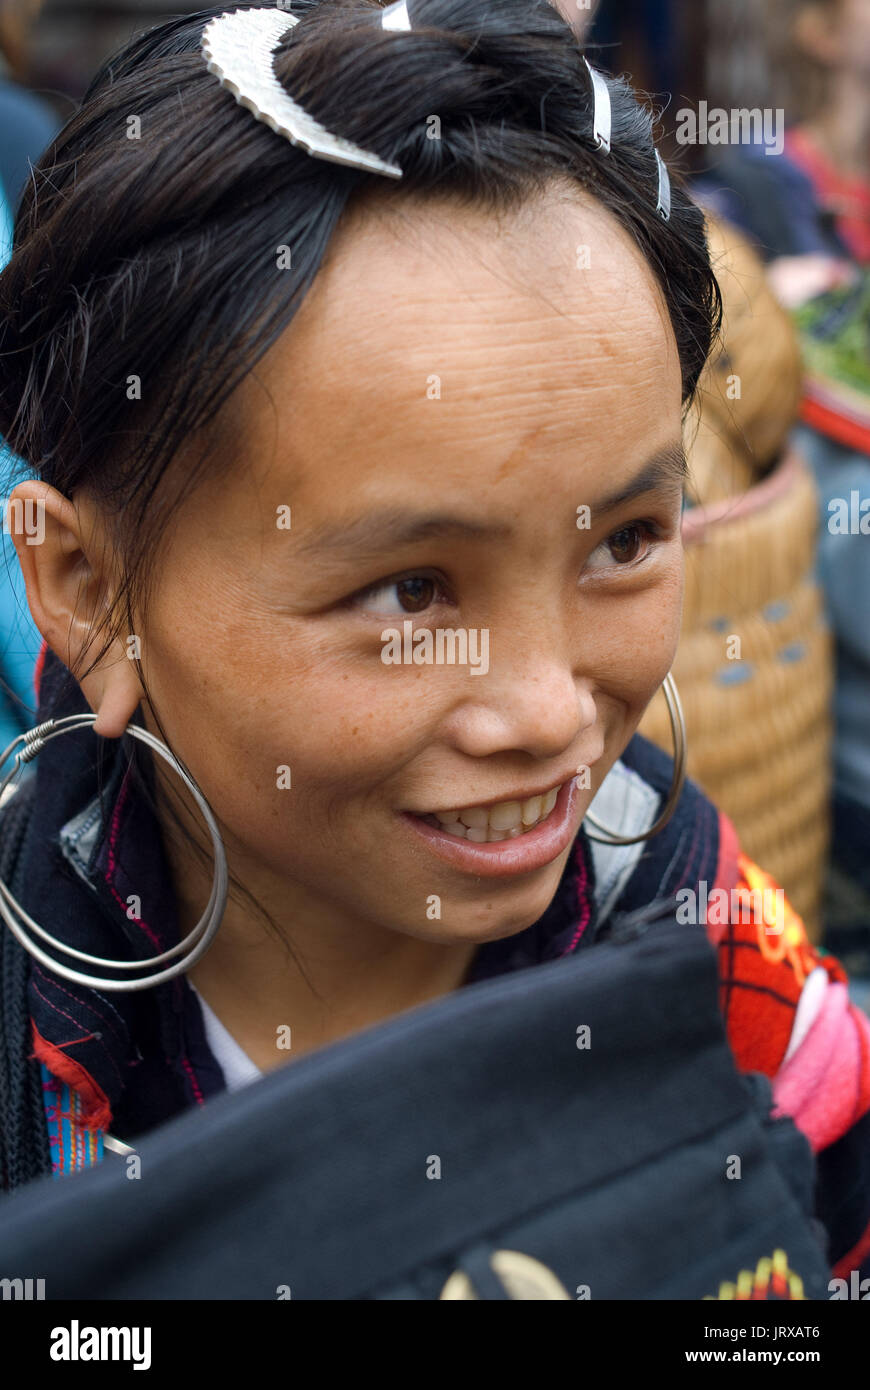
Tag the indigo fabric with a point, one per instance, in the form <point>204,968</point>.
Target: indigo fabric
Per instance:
<point>490,1120</point>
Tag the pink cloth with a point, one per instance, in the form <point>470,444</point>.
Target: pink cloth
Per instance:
<point>823,1086</point>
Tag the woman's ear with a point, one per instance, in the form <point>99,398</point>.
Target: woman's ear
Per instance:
<point>67,564</point>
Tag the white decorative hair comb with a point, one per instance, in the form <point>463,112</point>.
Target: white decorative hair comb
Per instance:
<point>238,47</point>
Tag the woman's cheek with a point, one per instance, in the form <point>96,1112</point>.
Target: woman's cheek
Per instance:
<point>348,728</point>
<point>647,634</point>
<point>661,624</point>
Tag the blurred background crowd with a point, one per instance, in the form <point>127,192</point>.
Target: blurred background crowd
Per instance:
<point>765,107</point>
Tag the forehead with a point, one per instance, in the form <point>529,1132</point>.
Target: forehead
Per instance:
<point>435,335</point>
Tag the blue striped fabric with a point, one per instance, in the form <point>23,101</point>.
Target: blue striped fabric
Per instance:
<point>72,1146</point>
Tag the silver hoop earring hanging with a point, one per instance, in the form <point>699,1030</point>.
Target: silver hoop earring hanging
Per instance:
<point>678,730</point>
<point>197,941</point>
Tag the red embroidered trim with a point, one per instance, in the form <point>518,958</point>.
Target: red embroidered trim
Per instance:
<point>854,1258</point>
<point>727,870</point>
<point>37,670</point>
<point>96,1112</point>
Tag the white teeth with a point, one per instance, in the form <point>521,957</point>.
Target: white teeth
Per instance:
<point>532,809</point>
<point>489,824</point>
<point>455,827</point>
<point>506,814</point>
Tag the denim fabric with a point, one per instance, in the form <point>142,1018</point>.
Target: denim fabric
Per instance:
<point>844,573</point>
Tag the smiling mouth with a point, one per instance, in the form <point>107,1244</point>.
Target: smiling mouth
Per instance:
<point>508,820</point>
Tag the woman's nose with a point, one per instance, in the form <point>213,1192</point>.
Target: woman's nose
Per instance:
<point>537,705</point>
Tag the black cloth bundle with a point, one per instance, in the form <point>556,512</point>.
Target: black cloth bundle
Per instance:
<point>586,1115</point>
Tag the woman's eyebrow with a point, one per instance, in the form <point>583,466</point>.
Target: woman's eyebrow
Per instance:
<point>393,527</point>
<point>668,468</point>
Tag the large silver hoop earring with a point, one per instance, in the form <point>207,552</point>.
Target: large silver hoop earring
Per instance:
<point>678,729</point>
<point>196,943</point>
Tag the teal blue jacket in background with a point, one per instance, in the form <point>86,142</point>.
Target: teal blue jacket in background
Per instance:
<point>20,639</point>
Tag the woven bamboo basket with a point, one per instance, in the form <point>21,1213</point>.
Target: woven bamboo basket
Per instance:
<point>754,665</point>
<point>754,671</point>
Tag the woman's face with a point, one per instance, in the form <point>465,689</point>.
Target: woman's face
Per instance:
<point>854,34</point>
<point>837,34</point>
<point>448,425</point>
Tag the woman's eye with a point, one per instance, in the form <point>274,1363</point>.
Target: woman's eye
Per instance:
<point>413,594</point>
<point>624,547</point>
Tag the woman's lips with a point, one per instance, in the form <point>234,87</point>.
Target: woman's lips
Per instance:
<point>504,858</point>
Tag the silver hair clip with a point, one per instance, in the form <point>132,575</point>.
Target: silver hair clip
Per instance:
<point>601,116</point>
<point>663,206</point>
<point>601,130</point>
<point>238,47</point>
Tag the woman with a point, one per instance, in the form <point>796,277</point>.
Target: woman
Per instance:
<point>813,200</point>
<point>361,490</point>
